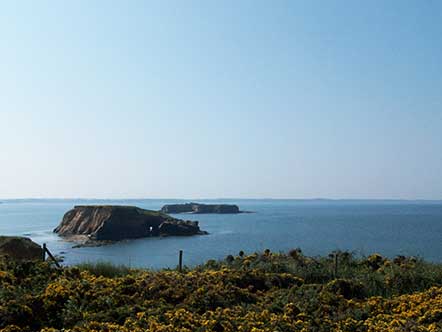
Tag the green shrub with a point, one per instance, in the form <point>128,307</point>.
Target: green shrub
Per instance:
<point>105,269</point>
<point>257,292</point>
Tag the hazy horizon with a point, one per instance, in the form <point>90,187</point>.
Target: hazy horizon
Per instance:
<point>246,99</point>
<point>196,199</point>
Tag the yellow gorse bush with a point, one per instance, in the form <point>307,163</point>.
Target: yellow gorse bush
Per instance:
<point>223,297</point>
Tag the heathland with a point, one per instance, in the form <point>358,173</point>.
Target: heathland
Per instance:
<point>257,292</point>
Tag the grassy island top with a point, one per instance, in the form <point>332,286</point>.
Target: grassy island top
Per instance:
<point>259,292</point>
<point>122,207</point>
<point>108,206</point>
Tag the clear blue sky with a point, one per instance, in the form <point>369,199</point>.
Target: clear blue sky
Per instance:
<point>192,99</point>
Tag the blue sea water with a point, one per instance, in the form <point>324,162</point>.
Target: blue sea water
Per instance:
<point>316,226</point>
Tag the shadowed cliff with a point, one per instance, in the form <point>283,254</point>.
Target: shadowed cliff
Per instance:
<point>113,223</point>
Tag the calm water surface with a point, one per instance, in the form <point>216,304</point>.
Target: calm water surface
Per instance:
<point>317,227</point>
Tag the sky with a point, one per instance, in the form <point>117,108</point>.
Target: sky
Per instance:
<point>218,99</point>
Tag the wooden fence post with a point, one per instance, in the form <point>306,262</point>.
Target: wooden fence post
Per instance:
<point>335,267</point>
<point>180,262</point>
<point>44,252</point>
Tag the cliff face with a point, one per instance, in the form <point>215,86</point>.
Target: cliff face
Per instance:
<point>121,222</point>
<point>200,208</point>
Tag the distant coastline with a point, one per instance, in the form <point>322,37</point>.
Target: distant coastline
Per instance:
<point>228,199</point>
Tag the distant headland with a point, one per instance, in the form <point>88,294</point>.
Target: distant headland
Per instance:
<point>198,208</point>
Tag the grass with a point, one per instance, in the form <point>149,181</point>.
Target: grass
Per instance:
<point>373,275</point>
<point>378,276</point>
<point>105,269</point>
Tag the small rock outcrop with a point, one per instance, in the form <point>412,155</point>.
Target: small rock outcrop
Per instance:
<point>113,223</point>
<point>176,228</point>
<point>198,208</point>
<point>20,248</point>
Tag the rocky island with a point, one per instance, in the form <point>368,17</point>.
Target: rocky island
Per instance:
<point>198,208</point>
<point>114,223</point>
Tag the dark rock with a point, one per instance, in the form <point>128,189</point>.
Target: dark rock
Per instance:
<point>178,228</point>
<point>20,248</point>
<point>113,223</point>
<point>198,208</point>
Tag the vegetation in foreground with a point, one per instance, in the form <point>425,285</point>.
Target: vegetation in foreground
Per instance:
<point>258,292</point>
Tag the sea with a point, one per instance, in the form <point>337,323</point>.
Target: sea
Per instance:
<point>317,227</point>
